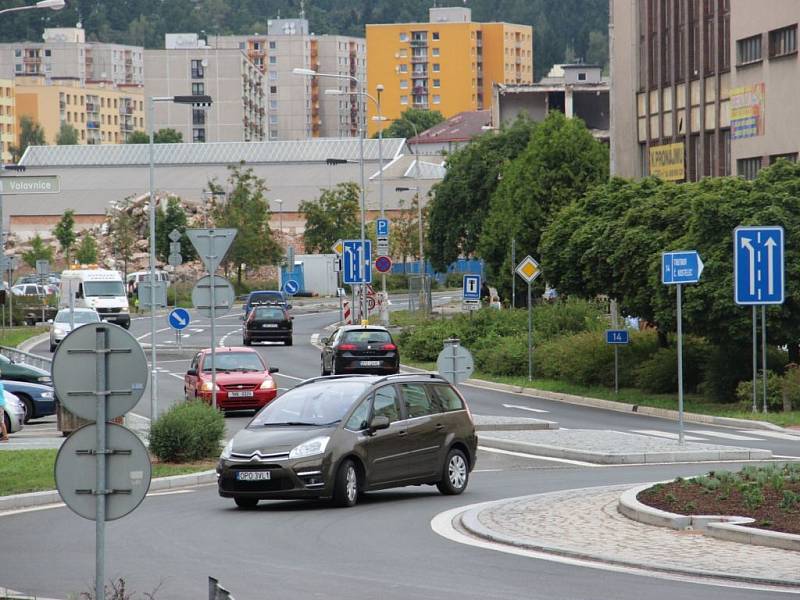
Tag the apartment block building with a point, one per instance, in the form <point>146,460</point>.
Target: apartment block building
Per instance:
<point>449,64</point>
<point>64,52</point>
<point>8,124</point>
<point>101,113</point>
<point>703,87</point>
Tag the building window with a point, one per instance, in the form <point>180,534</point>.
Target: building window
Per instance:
<point>437,99</point>
<point>17,52</point>
<point>273,60</point>
<point>403,99</point>
<point>18,68</point>
<point>198,134</point>
<point>748,167</point>
<point>791,157</point>
<point>436,67</point>
<point>404,37</point>
<point>48,52</point>
<point>437,83</point>
<point>273,76</point>
<point>273,45</point>
<point>725,152</point>
<point>783,42</point>
<point>273,105</point>
<point>435,51</point>
<point>581,76</point>
<point>403,53</point>
<point>198,117</point>
<point>198,72</point>
<point>403,68</point>
<point>198,89</point>
<point>404,84</point>
<point>435,35</point>
<point>748,50</point>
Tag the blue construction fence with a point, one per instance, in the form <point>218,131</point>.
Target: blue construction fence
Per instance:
<point>469,266</point>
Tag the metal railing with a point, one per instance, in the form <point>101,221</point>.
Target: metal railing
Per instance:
<point>217,592</point>
<point>19,356</point>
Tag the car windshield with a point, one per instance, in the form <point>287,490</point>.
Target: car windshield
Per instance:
<point>234,361</point>
<point>80,316</point>
<point>367,336</point>
<point>320,403</point>
<point>103,288</point>
<point>266,298</point>
<point>268,313</point>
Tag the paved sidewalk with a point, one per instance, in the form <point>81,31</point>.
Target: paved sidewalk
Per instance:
<point>585,524</point>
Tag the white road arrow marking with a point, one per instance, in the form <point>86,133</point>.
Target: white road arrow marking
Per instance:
<point>770,244</point>
<point>746,244</point>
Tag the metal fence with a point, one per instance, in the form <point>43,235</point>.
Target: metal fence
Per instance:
<point>419,294</point>
<point>24,357</point>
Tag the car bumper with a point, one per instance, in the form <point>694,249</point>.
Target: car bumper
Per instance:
<point>266,335</point>
<point>289,479</point>
<point>259,399</point>
<point>354,365</point>
<point>122,319</point>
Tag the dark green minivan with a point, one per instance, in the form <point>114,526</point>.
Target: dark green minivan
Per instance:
<point>338,437</point>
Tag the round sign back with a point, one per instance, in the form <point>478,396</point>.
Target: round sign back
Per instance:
<point>455,363</point>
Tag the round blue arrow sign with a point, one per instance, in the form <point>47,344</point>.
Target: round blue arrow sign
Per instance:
<point>291,287</point>
<point>179,318</point>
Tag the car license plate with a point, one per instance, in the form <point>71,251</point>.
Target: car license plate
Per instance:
<point>272,325</point>
<point>241,394</point>
<point>370,363</point>
<point>252,475</point>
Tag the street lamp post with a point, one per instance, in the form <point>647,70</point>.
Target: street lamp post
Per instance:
<point>280,216</point>
<point>197,101</point>
<point>51,4</point>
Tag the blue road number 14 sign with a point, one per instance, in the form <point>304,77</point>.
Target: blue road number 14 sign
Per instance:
<point>617,336</point>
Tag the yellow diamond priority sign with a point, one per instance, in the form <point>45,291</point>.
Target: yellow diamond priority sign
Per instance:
<point>338,247</point>
<point>528,269</point>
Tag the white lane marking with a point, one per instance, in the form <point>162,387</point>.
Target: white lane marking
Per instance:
<point>536,410</point>
<point>772,434</point>
<point>141,337</point>
<point>176,376</point>
<point>783,457</point>
<point>20,511</point>
<point>290,377</point>
<point>666,434</point>
<point>725,436</point>
<point>170,493</point>
<point>579,463</point>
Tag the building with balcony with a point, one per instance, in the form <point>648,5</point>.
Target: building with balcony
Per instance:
<point>703,87</point>
<point>8,126</point>
<point>449,64</point>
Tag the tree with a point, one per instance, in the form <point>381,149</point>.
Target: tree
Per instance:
<point>30,134</point>
<point>39,251</point>
<point>173,218</point>
<point>67,135</point>
<point>562,161</point>
<point>162,136</point>
<point>411,117</point>
<point>404,238</point>
<point>333,216</point>
<point>86,252</point>
<point>246,209</point>
<point>65,233</point>
<point>123,230</point>
<point>461,200</point>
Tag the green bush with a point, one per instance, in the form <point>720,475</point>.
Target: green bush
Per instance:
<point>187,432</point>
<point>454,280</point>
<point>726,366</point>
<point>659,373</point>
<point>503,356</point>
<point>744,392</point>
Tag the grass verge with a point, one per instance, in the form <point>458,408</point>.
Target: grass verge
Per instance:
<point>23,471</point>
<point>14,336</point>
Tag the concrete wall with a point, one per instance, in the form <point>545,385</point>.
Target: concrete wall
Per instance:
<point>623,39</point>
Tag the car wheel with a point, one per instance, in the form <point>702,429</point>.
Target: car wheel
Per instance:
<point>243,502</point>
<point>323,369</point>
<point>27,406</point>
<point>346,486</point>
<point>455,474</point>
<point>245,341</point>
<point>288,342</point>
<point>52,348</point>
<point>7,421</point>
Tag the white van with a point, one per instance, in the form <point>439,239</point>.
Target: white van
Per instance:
<point>100,289</point>
<point>140,276</point>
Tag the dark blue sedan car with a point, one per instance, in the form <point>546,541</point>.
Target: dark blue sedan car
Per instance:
<point>38,400</point>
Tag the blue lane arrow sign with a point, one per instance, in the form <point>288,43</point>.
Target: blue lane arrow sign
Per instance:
<point>291,287</point>
<point>758,265</point>
<point>179,319</point>
<point>681,267</point>
<point>357,262</point>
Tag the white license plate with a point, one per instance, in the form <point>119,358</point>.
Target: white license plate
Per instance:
<point>241,394</point>
<point>370,363</point>
<point>252,475</point>
<point>270,325</point>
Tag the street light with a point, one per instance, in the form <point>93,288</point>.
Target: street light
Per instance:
<point>51,4</point>
<point>360,85</point>
<point>200,102</point>
<point>280,215</point>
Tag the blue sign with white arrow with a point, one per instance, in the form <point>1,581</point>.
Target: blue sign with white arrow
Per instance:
<point>758,265</point>
<point>681,267</point>
<point>291,287</point>
<point>382,227</point>
<point>179,319</point>
<point>357,262</point>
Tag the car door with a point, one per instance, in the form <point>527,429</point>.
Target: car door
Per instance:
<point>424,430</point>
<point>327,351</point>
<point>387,450</point>
<point>190,381</point>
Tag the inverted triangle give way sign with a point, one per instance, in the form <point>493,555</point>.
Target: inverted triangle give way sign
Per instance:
<point>211,245</point>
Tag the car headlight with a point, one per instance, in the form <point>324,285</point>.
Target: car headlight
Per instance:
<point>44,379</point>
<point>312,447</point>
<point>226,451</point>
<point>267,384</point>
<point>58,331</point>
<point>207,386</point>
<point>47,395</point>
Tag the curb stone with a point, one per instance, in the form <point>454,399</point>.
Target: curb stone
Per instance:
<point>28,344</point>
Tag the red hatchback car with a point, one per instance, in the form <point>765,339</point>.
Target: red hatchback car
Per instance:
<point>243,380</point>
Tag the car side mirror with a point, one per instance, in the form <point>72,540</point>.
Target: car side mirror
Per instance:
<point>324,341</point>
<point>288,307</point>
<point>272,370</point>
<point>378,423</point>
<point>192,372</point>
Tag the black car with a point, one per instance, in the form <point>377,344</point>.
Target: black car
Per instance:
<point>359,349</point>
<point>337,437</point>
<point>269,323</point>
<point>265,298</point>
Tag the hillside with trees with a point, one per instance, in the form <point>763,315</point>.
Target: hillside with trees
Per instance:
<point>564,30</point>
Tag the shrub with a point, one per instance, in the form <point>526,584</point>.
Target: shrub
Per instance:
<point>454,280</point>
<point>744,392</point>
<point>659,373</point>
<point>187,432</point>
<point>503,356</point>
<point>727,365</point>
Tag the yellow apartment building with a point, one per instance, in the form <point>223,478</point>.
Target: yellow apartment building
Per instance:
<point>101,112</point>
<point>449,64</point>
<point>7,124</point>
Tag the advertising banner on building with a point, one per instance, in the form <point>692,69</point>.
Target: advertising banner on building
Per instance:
<point>747,111</point>
<point>667,161</point>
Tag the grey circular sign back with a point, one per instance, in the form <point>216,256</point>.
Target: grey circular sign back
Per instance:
<point>128,474</point>
<point>223,295</point>
<point>75,371</point>
<point>455,363</point>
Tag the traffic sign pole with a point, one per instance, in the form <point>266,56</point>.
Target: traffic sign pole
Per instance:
<point>213,331</point>
<point>755,360</point>
<point>680,368</point>
<point>764,353</point>
<point>101,384</point>
<point>530,337</point>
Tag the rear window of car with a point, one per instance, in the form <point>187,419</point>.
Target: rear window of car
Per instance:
<point>445,398</point>
<point>269,313</point>
<point>366,336</point>
<point>265,297</point>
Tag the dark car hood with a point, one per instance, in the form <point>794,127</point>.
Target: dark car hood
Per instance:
<point>275,439</point>
<point>12,385</point>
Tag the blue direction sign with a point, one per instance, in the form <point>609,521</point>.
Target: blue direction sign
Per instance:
<point>758,265</point>
<point>382,227</point>
<point>472,287</point>
<point>681,267</point>
<point>179,319</point>
<point>291,287</point>
<point>357,262</point>
<point>617,336</point>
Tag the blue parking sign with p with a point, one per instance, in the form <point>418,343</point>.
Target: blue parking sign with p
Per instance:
<point>382,227</point>
<point>472,287</point>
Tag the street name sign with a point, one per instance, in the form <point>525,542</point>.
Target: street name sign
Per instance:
<point>211,245</point>
<point>357,262</point>
<point>617,336</point>
<point>179,319</point>
<point>681,267</point>
<point>758,265</point>
<point>471,288</point>
<point>30,184</point>
<point>528,269</point>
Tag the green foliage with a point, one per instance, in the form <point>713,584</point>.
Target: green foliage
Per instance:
<point>86,252</point>
<point>174,217</point>
<point>744,392</point>
<point>162,136</point>
<point>790,500</point>
<point>64,231</point>
<point>39,251</point>
<point>67,135</point>
<point>187,432</point>
<point>412,118</point>
<point>659,373</point>
<point>30,134</point>
<point>122,227</point>
<point>460,202</point>
<point>753,497</point>
<point>333,216</point>
<point>404,234</point>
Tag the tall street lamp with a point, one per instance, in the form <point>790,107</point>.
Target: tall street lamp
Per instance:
<point>51,4</point>
<point>280,215</point>
<point>197,102</point>
<point>361,126</point>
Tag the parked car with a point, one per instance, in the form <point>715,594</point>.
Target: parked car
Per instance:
<point>29,289</point>
<point>269,323</point>
<point>22,372</point>
<point>359,349</point>
<point>37,400</point>
<point>13,413</point>
<point>337,437</point>
<point>244,382</point>
<point>265,297</point>
<point>61,325</point>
